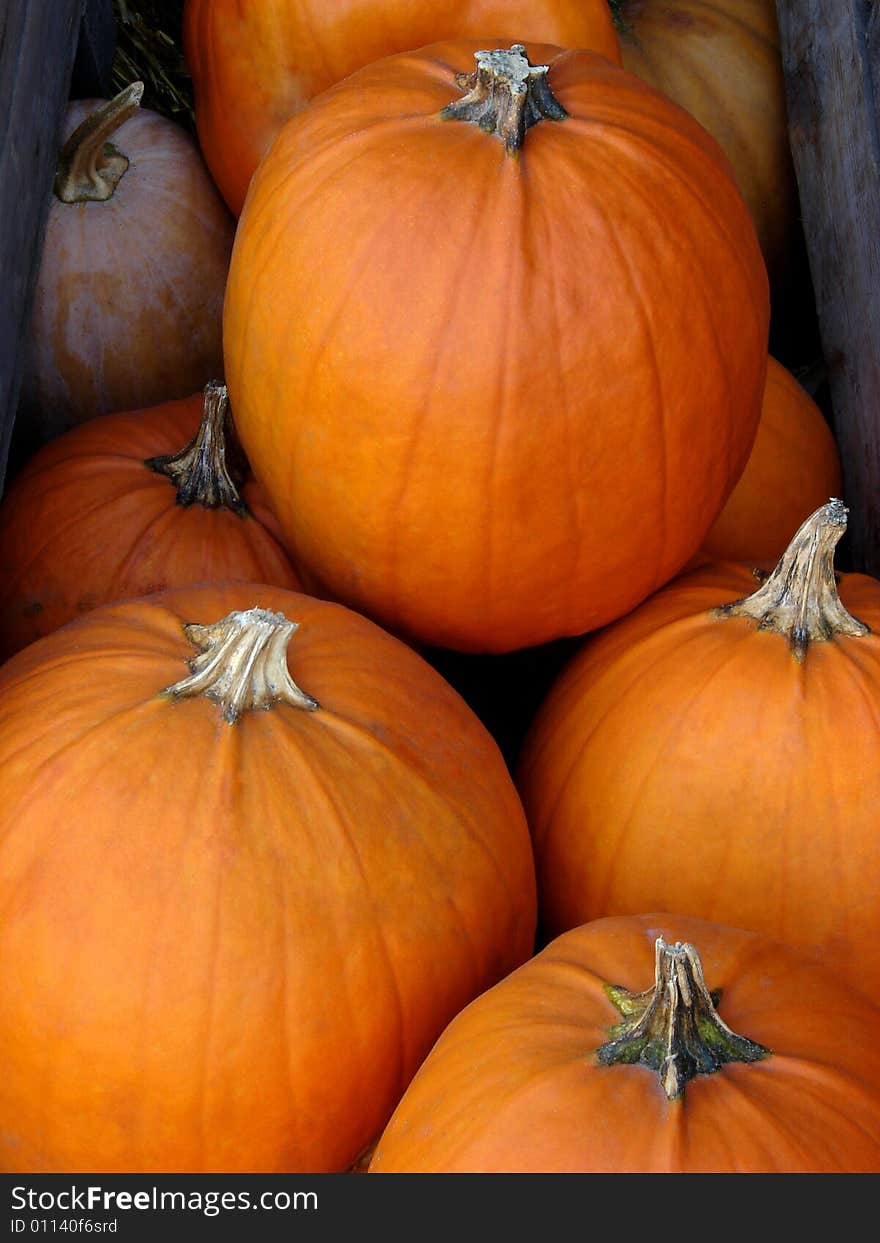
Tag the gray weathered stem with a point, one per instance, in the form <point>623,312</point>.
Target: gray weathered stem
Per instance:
<point>506,95</point>
<point>799,599</point>
<point>242,664</point>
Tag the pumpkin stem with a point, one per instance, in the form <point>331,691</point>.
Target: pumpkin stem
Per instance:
<point>89,167</point>
<point>203,472</point>
<point>674,1028</point>
<point>799,599</point>
<point>506,95</point>
<point>242,664</point>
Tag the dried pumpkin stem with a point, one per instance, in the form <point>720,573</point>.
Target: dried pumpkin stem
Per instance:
<point>674,1027</point>
<point>799,599</point>
<point>242,664</point>
<point>205,472</point>
<point>89,166</point>
<point>506,95</point>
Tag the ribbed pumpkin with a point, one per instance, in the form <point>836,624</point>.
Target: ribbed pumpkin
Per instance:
<point>717,753</point>
<point>439,407</point>
<point>127,309</point>
<point>720,60</point>
<point>254,65</point>
<point>651,1044</point>
<point>129,504</point>
<point>241,896</point>
<point>793,468</point>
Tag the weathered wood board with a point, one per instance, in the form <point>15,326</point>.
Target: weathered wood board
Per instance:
<point>831,56</point>
<point>42,43</point>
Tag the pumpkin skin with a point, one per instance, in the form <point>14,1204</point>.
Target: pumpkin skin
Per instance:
<point>271,56</point>
<point>689,762</point>
<point>794,467</point>
<point>228,947</point>
<point>721,61</point>
<point>128,302</point>
<point>513,1084</point>
<point>438,449</point>
<point>87,522</point>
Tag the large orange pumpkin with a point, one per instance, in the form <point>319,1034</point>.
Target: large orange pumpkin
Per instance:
<point>793,468</point>
<point>254,65</point>
<point>241,897</point>
<point>127,308</point>
<point>440,405</point>
<point>720,60</point>
<point>608,1053</point>
<point>718,753</point>
<point>129,504</point>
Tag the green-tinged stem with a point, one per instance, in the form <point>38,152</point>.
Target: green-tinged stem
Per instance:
<point>799,600</point>
<point>674,1028</point>
<point>89,166</point>
<point>242,664</point>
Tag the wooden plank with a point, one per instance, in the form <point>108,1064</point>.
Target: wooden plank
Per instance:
<point>831,57</point>
<point>93,66</point>
<point>37,46</point>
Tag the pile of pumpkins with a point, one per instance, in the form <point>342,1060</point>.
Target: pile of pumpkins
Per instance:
<point>481,367</point>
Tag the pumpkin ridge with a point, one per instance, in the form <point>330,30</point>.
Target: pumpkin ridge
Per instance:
<point>183,310</point>
<point>614,855</point>
<point>332,143</point>
<point>335,721</point>
<point>85,738</point>
<point>842,851</point>
<point>621,171</point>
<point>355,268</point>
<point>808,1070</point>
<point>154,524</point>
<point>739,22</point>
<point>347,832</point>
<point>638,301</point>
<point>500,406</point>
<point>717,220</point>
<point>769,1131</point>
<point>572,490</point>
<point>659,637</point>
<point>458,288</point>
<point>37,550</point>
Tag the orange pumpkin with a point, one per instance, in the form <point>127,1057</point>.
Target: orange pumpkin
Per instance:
<point>439,408</point>
<point>720,60</point>
<point>793,468</point>
<point>718,753</point>
<point>129,504</point>
<point>127,309</point>
<point>607,1053</point>
<point>243,892</point>
<point>253,66</point>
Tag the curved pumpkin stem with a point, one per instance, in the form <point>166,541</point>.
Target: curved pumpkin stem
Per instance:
<point>242,664</point>
<point>674,1028</point>
<point>799,599</point>
<point>203,472</point>
<point>89,166</point>
<point>506,95</point>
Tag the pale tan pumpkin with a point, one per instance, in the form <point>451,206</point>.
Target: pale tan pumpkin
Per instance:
<point>127,310</point>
